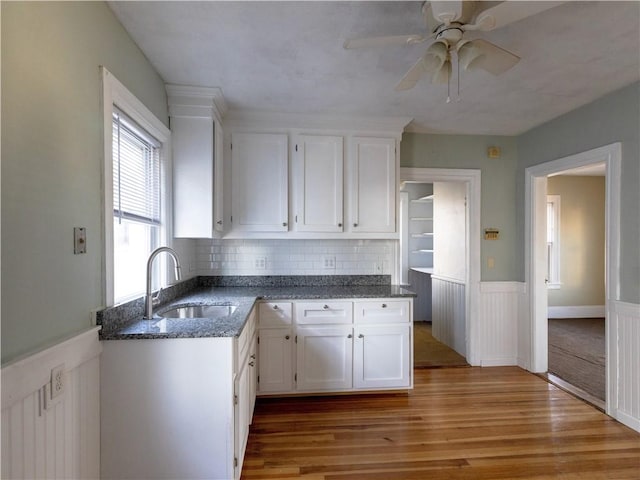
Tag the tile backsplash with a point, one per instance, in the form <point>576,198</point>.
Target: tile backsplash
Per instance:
<point>294,257</point>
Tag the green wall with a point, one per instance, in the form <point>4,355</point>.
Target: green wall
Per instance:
<point>612,118</point>
<point>52,159</point>
<point>498,187</point>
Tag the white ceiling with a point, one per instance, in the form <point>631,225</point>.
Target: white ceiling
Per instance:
<point>287,57</point>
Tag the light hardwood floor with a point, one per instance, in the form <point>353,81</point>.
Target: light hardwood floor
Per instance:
<point>429,352</point>
<point>458,423</point>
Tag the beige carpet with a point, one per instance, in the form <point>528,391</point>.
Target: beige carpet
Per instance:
<point>429,352</point>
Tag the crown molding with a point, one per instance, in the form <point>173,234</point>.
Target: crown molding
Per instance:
<point>373,124</point>
<point>190,101</point>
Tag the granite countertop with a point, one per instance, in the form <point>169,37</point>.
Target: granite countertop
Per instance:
<point>126,322</point>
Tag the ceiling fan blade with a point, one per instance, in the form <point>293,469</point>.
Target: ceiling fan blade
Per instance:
<point>411,77</point>
<point>446,11</point>
<point>508,12</point>
<point>383,41</point>
<point>492,58</point>
<point>443,74</point>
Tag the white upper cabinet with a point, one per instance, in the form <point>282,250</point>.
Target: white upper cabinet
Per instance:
<point>319,183</point>
<point>259,177</point>
<point>373,185</point>
<point>196,132</point>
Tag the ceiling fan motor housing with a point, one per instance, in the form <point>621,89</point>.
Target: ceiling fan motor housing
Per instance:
<point>452,33</point>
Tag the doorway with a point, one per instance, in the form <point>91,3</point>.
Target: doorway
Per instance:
<point>424,212</point>
<point>576,282</point>
<point>536,250</point>
<point>467,300</point>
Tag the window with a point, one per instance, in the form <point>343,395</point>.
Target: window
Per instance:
<point>136,200</point>
<point>553,241</point>
<point>136,204</point>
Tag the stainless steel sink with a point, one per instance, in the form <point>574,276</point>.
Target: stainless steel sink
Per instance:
<point>198,311</point>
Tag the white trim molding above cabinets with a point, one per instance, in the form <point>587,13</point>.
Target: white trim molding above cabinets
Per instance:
<point>338,176</point>
<point>196,127</point>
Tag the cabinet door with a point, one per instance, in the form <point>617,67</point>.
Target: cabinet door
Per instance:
<point>324,358</point>
<point>218,177</point>
<point>275,360</point>
<point>260,182</point>
<point>319,184</point>
<point>382,356</point>
<point>193,176</point>
<point>242,407</point>
<point>373,185</point>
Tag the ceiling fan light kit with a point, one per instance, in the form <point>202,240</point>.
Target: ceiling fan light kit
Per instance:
<point>453,19</point>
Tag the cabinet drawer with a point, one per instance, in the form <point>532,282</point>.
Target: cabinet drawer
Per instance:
<point>323,312</point>
<point>275,314</point>
<point>382,311</point>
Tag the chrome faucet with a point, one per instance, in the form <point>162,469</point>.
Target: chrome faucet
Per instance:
<point>154,300</point>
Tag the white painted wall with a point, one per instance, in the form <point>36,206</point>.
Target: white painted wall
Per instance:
<point>449,230</point>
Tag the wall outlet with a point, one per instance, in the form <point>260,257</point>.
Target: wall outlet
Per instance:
<point>260,263</point>
<point>58,381</point>
<point>329,262</point>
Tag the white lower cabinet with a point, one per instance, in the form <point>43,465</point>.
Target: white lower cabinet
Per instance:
<point>382,356</point>
<point>335,346</point>
<point>324,357</point>
<point>276,362</point>
<point>178,407</point>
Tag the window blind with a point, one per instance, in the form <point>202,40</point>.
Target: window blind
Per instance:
<point>136,172</point>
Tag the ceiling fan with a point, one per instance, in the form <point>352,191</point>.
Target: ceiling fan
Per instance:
<point>448,21</point>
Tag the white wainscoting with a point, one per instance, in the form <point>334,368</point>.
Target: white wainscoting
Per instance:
<point>448,312</point>
<point>59,438</point>
<point>625,319</point>
<point>498,323</point>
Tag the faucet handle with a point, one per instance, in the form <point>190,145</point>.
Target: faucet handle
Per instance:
<point>156,298</point>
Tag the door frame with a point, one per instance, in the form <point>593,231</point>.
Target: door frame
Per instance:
<point>472,179</point>
<point>536,252</point>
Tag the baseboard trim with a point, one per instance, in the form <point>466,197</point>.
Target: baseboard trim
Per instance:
<point>628,420</point>
<point>578,311</point>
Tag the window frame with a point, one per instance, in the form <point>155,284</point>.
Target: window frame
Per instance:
<point>115,93</point>
<point>553,253</point>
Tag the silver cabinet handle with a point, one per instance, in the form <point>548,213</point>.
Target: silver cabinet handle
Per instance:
<point>340,225</point>
<point>384,305</point>
<point>284,224</point>
<point>253,356</point>
<point>251,364</point>
<point>355,224</point>
<point>326,307</point>
<point>219,222</point>
<point>349,336</point>
<point>361,336</point>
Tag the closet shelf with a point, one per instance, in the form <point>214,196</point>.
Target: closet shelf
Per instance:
<point>422,235</point>
<point>427,199</point>
<point>422,251</point>
<point>420,219</point>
